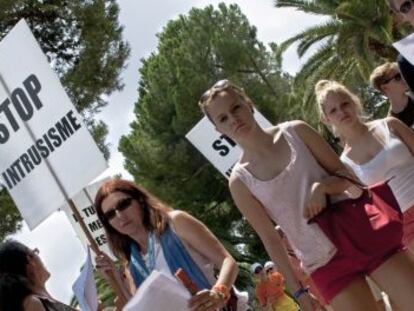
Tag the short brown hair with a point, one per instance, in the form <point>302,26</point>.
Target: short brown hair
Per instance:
<point>382,73</point>
<point>154,213</point>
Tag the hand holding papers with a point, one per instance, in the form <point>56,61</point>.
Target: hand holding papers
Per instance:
<point>159,292</point>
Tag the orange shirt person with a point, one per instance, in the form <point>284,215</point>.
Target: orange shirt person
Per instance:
<point>270,291</point>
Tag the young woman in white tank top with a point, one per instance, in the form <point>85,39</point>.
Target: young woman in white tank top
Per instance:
<point>283,176</point>
<point>376,151</point>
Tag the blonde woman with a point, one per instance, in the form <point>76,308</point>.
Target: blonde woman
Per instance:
<point>283,177</point>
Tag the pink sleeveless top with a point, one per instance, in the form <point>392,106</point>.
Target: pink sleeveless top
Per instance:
<point>284,197</point>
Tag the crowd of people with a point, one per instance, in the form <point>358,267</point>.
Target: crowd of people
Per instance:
<point>340,258</point>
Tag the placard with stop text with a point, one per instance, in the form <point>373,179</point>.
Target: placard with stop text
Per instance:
<point>39,123</point>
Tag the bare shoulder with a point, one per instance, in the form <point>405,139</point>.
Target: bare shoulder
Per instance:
<point>275,130</point>
<point>32,303</point>
<point>304,130</point>
<point>178,217</point>
<point>393,122</point>
<point>294,123</point>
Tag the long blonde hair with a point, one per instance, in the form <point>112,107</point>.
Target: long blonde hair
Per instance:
<point>324,88</point>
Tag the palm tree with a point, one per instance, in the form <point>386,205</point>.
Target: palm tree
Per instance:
<point>356,37</point>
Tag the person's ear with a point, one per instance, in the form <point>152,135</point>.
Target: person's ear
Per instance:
<point>384,88</point>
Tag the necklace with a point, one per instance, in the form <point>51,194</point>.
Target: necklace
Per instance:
<point>145,267</point>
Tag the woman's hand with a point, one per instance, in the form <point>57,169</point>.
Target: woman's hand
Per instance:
<point>306,302</point>
<point>105,265</point>
<point>316,202</point>
<point>206,300</point>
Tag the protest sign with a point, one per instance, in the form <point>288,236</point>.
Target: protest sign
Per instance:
<point>47,153</point>
<point>83,202</point>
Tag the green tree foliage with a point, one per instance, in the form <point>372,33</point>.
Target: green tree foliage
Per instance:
<point>82,40</point>
<point>194,51</point>
<point>83,43</point>
<point>10,217</point>
<point>355,37</point>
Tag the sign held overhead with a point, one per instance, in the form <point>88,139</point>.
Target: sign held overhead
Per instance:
<point>47,154</point>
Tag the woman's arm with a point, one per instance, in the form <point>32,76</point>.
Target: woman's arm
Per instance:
<point>255,214</point>
<point>325,156</point>
<point>329,160</point>
<point>402,131</point>
<point>201,239</point>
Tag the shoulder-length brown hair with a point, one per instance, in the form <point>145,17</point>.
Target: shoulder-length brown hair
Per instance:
<point>154,213</point>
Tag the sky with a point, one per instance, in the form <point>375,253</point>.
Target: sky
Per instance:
<point>60,249</point>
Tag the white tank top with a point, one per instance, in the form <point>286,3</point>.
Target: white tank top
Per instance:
<point>284,197</point>
<point>394,162</point>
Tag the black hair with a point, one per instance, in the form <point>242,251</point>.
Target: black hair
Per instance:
<point>13,291</point>
<point>14,258</point>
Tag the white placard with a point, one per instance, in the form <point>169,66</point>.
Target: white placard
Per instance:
<point>84,204</point>
<point>220,150</point>
<point>38,100</point>
<point>406,47</point>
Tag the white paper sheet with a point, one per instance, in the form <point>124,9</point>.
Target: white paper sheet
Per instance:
<point>85,288</point>
<point>406,47</point>
<point>159,293</point>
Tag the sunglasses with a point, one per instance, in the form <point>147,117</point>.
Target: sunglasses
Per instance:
<point>269,269</point>
<point>219,86</point>
<point>397,77</point>
<point>122,205</point>
<point>258,270</point>
<point>406,7</point>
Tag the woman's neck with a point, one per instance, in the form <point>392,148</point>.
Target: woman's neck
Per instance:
<point>141,237</point>
<point>353,132</point>
<point>398,102</point>
<point>257,142</point>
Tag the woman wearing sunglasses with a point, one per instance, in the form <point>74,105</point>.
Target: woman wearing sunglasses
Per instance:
<point>23,280</point>
<point>387,79</point>
<point>146,234</point>
<point>284,175</point>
